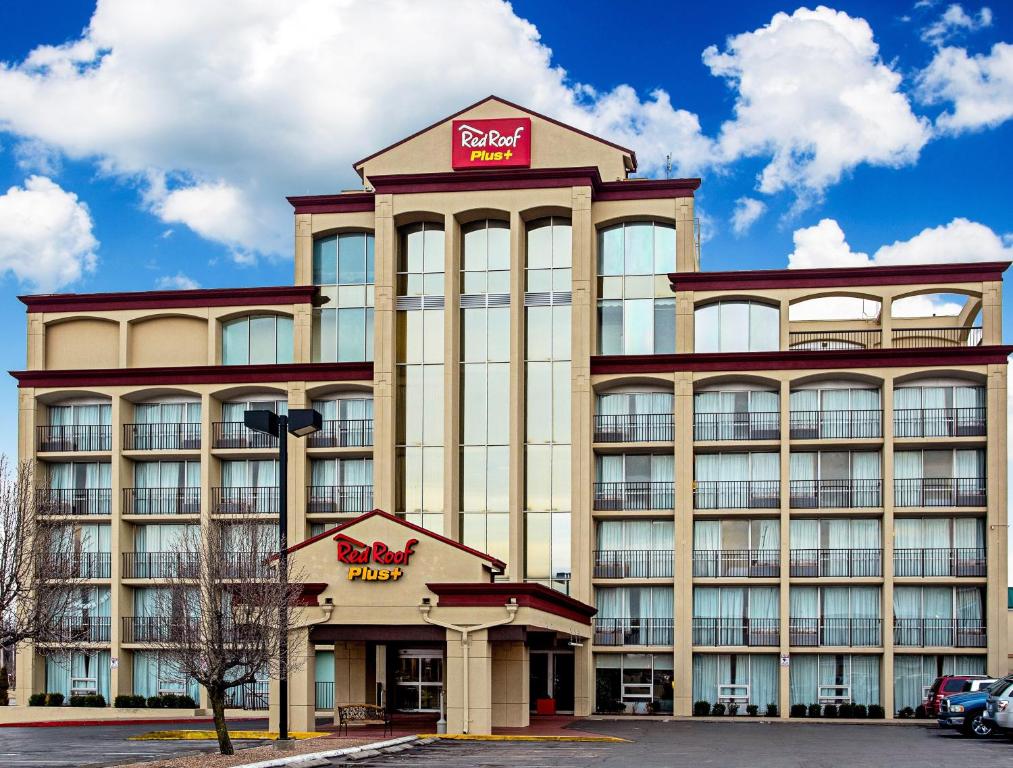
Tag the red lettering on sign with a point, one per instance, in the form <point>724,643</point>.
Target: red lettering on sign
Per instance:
<point>352,553</point>
<point>494,143</point>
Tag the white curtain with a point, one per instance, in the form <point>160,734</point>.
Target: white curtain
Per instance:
<point>707,538</point>
<point>907,417</point>
<point>803,677</point>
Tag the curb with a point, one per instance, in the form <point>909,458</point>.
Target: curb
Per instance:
<point>899,722</point>
<point>504,737</point>
<point>145,721</point>
<point>307,756</point>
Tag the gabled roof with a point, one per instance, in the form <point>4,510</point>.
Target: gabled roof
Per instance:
<point>337,530</point>
<point>357,166</point>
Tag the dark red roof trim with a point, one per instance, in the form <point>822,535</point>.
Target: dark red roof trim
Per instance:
<point>207,374</point>
<point>310,592</point>
<point>630,152</point>
<point>352,202</point>
<point>495,562</point>
<point>800,360</point>
<point>205,297</point>
<point>535,596</point>
<point>839,277</point>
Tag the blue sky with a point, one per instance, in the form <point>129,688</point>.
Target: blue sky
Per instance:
<point>156,147</point>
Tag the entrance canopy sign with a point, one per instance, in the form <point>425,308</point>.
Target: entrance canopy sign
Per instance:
<point>360,557</point>
<point>503,142</point>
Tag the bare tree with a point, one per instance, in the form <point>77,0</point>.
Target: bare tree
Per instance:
<point>221,613</point>
<point>38,571</point>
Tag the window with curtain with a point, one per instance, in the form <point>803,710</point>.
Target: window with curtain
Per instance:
<point>737,326</point>
<point>343,268</point>
<point>840,547</point>
<point>835,413</point>
<point>634,481</point>
<point>257,340</point>
<point>746,678</point>
<point>79,426</point>
<point>913,675</point>
<point>640,682</point>
<point>835,479</point>
<point>168,425</point>
<point>78,674</point>
<point>156,675</point>
<point>636,309</point>
<point>341,485</point>
<point>939,411</point>
<point>736,548</point>
<point>633,416</point>
<point>736,415</point>
<point>737,480</point>
<point>835,615</point>
<point>939,478</point>
<point>249,486</point>
<point>347,421</point>
<point>829,678</point>
<point>939,546</point>
<point>735,615</point>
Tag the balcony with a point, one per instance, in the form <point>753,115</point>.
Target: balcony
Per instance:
<point>161,501</point>
<point>633,428</point>
<point>74,501</point>
<point>633,563</point>
<point>339,499</point>
<point>161,437</point>
<point>942,561</point>
<point>836,563</point>
<point>831,340</point>
<point>620,632</point>
<point>234,434</point>
<point>857,633</point>
<point>940,492</point>
<point>937,337</point>
<point>161,565</point>
<point>836,494</point>
<point>158,629</point>
<point>940,422</point>
<point>634,495</point>
<point>82,629</point>
<point>759,425</point>
<point>836,425</point>
<point>736,563</point>
<point>74,437</point>
<point>939,633</point>
<point>243,565</point>
<point>245,501</point>
<point>343,433</point>
<point>745,632</point>
<point>77,565</point>
<point>737,494</point>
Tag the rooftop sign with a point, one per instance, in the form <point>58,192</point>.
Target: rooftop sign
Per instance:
<point>503,142</point>
<point>360,556</point>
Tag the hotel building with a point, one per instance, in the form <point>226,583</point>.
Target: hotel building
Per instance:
<point>690,485</point>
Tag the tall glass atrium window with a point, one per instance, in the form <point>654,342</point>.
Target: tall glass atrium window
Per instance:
<point>636,308</point>
<point>419,304</point>
<point>343,327</point>
<point>737,326</point>
<point>257,340</point>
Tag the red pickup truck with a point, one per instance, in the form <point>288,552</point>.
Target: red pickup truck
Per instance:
<point>947,685</point>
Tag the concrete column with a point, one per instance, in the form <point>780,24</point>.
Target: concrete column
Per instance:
<point>886,321</point>
<point>686,257</point>
<point>30,668</point>
<point>453,245</point>
<point>784,673</point>
<point>886,667</point>
<point>784,326</point>
<point>298,471</point>
<point>511,706</point>
<point>991,313</point>
<point>682,677</point>
<point>997,523</point>
<point>302,686</point>
<point>685,329</point>
<point>350,675</point>
<point>516,426</point>
<point>120,541</point>
<point>36,347</point>
<point>384,370</point>
<point>303,251</point>
<point>583,680</point>
<point>471,713</point>
<point>302,333</point>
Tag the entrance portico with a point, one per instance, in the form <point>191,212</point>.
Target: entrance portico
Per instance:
<point>412,615</point>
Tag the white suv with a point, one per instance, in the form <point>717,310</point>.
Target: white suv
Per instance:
<point>999,708</point>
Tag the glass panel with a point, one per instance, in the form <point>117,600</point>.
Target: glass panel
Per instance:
<point>352,259</point>
<point>236,342</point>
<point>263,341</point>
<point>325,261</point>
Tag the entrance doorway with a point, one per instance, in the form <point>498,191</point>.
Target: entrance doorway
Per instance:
<point>418,677</point>
<point>552,678</point>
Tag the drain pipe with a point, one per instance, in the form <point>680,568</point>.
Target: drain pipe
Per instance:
<point>466,630</point>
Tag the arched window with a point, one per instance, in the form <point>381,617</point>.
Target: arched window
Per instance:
<point>257,340</point>
<point>737,326</point>
<point>343,268</point>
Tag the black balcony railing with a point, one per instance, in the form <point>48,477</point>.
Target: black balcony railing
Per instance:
<point>81,629</point>
<point>634,495</point>
<point>633,428</point>
<point>244,565</point>
<point>836,425</point>
<point>617,632</point>
<point>759,425</point>
<point>940,633</point>
<point>842,632</point>
<point>737,494</point>
<point>736,563</point>
<point>940,492</point>
<point>234,434</point>
<point>338,499</point>
<point>835,494</point>
<point>827,340</point>
<point>840,563</point>
<point>937,337</point>
<point>161,437</point>
<point>245,501</point>
<point>161,565</point>
<point>324,695</point>
<point>74,501</point>
<point>161,501</point>
<point>940,561</point>
<point>250,696</point>
<point>940,422</point>
<point>633,563</point>
<point>75,437</point>
<point>343,433</point>
<point>747,632</point>
<point>77,565</point>
<point>158,629</point>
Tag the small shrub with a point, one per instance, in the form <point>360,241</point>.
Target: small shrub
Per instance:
<point>920,712</point>
<point>95,700</point>
<point>813,710</point>
<point>718,709</point>
<point>54,699</point>
<point>860,711</point>
<point>701,708</point>
<point>772,710</point>
<point>752,710</point>
<point>169,700</point>
<point>846,710</point>
<point>37,700</point>
<point>733,709</point>
<point>128,700</point>
<point>78,701</point>
<point>155,702</point>
<point>797,710</point>
<point>906,714</point>
<point>876,712</point>
<point>185,702</point>
<point>830,710</point>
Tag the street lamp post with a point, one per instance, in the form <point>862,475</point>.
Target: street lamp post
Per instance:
<point>298,422</point>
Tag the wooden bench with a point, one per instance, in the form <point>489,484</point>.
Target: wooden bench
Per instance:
<point>362,714</point>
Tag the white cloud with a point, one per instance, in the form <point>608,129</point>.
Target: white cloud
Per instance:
<point>926,306</point>
<point>814,94</point>
<point>177,282</point>
<point>979,89</point>
<point>955,20</point>
<point>46,238</point>
<point>747,211</point>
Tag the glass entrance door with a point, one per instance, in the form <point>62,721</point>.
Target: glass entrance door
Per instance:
<point>552,678</point>
<point>419,678</point>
